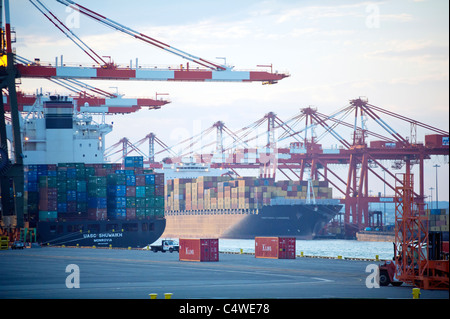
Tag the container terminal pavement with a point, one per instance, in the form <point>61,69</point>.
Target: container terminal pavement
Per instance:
<point>46,273</point>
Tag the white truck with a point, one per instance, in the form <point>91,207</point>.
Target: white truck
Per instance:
<point>165,245</point>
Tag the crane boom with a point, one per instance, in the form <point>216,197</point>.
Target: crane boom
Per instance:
<point>37,70</point>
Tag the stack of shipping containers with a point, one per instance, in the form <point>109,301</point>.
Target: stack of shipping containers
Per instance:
<point>135,193</point>
<point>93,191</point>
<point>209,192</point>
<point>438,219</point>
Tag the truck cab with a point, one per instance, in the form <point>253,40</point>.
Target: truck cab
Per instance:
<point>165,245</point>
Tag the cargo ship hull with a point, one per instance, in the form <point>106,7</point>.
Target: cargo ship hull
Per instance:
<point>302,221</point>
<point>115,233</point>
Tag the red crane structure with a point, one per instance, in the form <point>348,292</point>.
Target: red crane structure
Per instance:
<point>366,151</point>
<point>108,104</point>
<point>415,261</point>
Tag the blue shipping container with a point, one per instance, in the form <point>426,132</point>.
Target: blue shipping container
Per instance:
<point>62,207</point>
<point>131,180</point>
<point>71,195</point>
<point>149,179</point>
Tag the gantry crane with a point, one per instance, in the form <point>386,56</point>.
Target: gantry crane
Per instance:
<point>306,158</point>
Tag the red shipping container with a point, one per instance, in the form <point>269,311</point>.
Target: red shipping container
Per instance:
<point>445,246</point>
<point>199,249</point>
<point>140,180</point>
<point>436,140</point>
<point>131,191</point>
<point>275,247</point>
<point>131,213</point>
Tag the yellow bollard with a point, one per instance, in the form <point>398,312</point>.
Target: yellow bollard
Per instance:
<point>168,295</point>
<point>78,245</point>
<point>153,296</point>
<point>241,251</point>
<point>93,246</point>
<point>110,246</point>
<point>339,257</point>
<point>129,248</point>
<point>377,257</point>
<point>416,293</point>
<point>301,254</point>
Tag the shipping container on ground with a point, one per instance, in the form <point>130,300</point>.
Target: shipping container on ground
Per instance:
<point>205,249</point>
<point>275,247</point>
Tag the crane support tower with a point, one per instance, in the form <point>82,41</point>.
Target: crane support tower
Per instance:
<point>415,262</point>
<point>11,170</point>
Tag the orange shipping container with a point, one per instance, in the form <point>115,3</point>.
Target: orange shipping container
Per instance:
<point>275,247</point>
<point>199,249</point>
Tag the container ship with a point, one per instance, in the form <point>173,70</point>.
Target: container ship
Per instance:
<point>72,197</point>
<point>222,207</point>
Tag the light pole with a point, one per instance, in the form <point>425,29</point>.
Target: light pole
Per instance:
<point>437,196</point>
<point>384,195</point>
<point>431,198</point>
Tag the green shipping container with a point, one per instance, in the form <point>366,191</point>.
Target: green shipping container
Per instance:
<point>48,181</point>
<point>81,186</point>
<point>47,215</point>
<point>150,202</point>
<point>117,179</point>
<point>150,190</point>
<point>80,173</point>
<point>71,184</point>
<point>90,171</point>
<point>150,213</point>
<point>61,186</point>
<point>159,212</point>
<point>140,213</point>
<point>140,202</point>
<point>131,202</point>
<point>140,191</point>
<point>159,202</point>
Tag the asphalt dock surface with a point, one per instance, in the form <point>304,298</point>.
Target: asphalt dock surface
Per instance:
<point>79,273</point>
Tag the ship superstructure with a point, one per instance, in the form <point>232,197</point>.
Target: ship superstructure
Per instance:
<point>53,132</point>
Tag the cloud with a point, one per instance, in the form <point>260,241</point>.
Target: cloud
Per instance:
<point>416,50</point>
<point>322,12</point>
<point>400,17</point>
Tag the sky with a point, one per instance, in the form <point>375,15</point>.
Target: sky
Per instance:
<point>394,53</point>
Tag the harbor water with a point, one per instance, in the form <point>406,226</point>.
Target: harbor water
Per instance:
<point>321,248</point>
